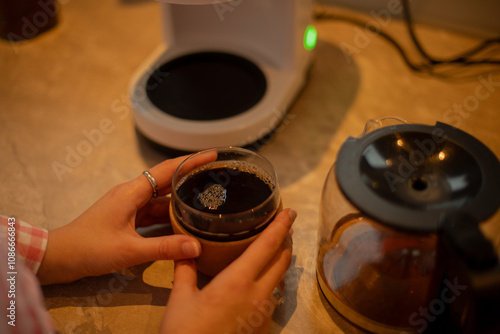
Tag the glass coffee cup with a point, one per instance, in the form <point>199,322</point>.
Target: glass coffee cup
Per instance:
<point>224,197</point>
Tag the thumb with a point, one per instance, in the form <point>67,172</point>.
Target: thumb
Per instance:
<point>185,277</point>
<point>172,247</point>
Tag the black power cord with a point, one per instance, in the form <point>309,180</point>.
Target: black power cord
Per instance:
<point>463,58</point>
<point>430,63</point>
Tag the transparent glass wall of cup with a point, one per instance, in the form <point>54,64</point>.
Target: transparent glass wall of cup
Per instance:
<point>364,266</point>
<point>224,197</point>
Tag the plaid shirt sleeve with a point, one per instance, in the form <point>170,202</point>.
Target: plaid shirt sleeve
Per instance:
<point>31,241</point>
<point>22,247</point>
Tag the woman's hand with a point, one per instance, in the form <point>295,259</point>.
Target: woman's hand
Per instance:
<point>104,238</point>
<point>240,298</point>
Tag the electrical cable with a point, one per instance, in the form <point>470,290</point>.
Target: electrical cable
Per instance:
<point>389,38</point>
<point>430,63</point>
<point>461,59</point>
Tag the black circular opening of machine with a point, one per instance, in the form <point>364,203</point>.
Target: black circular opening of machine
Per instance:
<point>206,86</point>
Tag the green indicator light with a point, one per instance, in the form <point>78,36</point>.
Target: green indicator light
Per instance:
<point>310,37</point>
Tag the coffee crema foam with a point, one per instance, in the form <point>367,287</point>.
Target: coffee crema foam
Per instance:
<point>213,197</point>
<point>240,166</point>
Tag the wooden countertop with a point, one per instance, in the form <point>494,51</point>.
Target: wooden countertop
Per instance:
<point>73,78</point>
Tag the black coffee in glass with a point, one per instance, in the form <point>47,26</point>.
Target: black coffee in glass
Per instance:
<point>224,190</point>
<point>231,198</point>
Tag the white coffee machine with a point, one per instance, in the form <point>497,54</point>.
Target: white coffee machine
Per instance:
<point>226,74</point>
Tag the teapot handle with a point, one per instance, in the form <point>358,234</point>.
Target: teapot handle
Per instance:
<point>471,258</point>
<point>465,237</point>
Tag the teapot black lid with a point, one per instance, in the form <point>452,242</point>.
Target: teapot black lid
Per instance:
<point>412,176</point>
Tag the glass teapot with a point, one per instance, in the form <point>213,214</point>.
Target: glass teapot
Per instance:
<point>400,249</point>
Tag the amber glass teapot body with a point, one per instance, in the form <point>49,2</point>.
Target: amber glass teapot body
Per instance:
<point>395,208</point>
